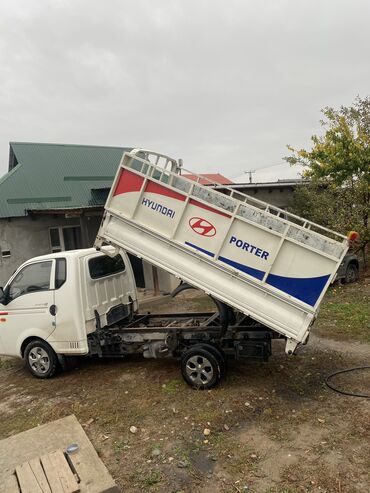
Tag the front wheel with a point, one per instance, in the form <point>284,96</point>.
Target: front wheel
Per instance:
<point>200,368</point>
<point>41,359</point>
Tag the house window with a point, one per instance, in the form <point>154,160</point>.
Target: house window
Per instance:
<point>65,238</point>
<point>55,242</point>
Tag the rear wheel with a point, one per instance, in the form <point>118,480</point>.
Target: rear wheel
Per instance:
<point>41,359</point>
<point>351,274</point>
<point>218,354</point>
<point>200,368</point>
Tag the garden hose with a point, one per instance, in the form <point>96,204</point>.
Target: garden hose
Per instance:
<point>344,392</point>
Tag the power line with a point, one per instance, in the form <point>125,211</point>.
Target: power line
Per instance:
<point>271,165</point>
<point>248,172</point>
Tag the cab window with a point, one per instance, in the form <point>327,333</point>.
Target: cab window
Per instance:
<point>31,279</point>
<point>60,272</point>
<point>105,266</point>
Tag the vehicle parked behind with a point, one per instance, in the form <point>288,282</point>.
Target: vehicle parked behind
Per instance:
<point>349,269</point>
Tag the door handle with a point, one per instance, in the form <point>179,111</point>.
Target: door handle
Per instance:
<point>53,310</point>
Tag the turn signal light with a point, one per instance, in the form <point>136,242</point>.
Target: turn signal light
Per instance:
<point>353,236</point>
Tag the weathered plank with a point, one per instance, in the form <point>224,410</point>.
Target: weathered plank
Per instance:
<point>65,474</point>
<point>94,476</point>
<point>26,479</point>
<point>51,474</point>
<point>39,473</point>
<point>10,485</point>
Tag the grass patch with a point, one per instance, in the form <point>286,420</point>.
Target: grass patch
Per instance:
<point>345,313</point>
<point>172,386</point>
<point>6,363</point>
<point>151,479</point>
<point>20,420</point>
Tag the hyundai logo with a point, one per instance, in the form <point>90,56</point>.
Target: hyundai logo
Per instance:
<point>202,226</point>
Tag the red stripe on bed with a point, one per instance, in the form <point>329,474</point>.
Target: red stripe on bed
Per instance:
<point>128,182</point>
<point>167,192</point>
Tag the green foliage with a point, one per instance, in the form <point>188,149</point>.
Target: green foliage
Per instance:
<point>338,166</point>
<point>338,208</point>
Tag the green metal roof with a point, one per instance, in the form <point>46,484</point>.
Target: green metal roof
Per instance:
<point>57,176</point>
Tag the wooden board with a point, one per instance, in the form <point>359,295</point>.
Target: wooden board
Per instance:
<point>66,477</point>
<point>26,479</point>
<point>50,473</point>
<point>58,473</point>
<point>39,473</point>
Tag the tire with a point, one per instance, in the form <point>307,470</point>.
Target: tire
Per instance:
<point>41,359</point>
<point>351,274</point>
<point>200,368</point>
<point>218,354</point>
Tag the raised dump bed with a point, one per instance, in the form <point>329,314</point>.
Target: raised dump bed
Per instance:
<point>259,259</point>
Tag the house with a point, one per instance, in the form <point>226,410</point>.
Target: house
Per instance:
<point>52,199</point>
<point>275,184</point>
<point>209,179</point>
<point>279,193</point>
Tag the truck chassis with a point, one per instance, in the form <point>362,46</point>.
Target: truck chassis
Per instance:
<point>198,339</point>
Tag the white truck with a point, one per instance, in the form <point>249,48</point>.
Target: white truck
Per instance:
<point>266,270</point>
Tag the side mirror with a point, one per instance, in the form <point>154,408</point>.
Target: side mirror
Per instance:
<point>2,295</point>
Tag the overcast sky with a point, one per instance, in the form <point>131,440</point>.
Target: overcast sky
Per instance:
<point>223,84</point>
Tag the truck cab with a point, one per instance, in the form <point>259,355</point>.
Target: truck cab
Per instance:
<point>59,299</point>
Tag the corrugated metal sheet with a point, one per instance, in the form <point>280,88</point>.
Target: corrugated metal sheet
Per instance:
<point>57,176</point>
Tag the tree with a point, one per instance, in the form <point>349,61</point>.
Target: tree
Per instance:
<point>338,166</point>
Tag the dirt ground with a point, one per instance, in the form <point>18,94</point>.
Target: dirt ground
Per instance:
<point>274,427</point>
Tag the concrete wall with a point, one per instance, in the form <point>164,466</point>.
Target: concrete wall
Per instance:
<point>280,196</point>
<point>26,237</point>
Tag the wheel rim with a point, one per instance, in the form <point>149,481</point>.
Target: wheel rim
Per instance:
<point>39,360</point>
<point>199,370</point>
<point>351,274</point>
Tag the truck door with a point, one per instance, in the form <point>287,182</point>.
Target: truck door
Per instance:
<point>28,309</point>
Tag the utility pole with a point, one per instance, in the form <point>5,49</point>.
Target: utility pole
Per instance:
<point>250,172</point>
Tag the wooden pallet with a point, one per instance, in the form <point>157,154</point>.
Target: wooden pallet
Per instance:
<point>21,462</point>
<point>49,473</point>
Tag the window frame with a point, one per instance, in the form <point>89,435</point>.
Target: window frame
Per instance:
<point>57,261</point>
<point>108,275</point>
<point>51,279</point>
<point>61,237</point>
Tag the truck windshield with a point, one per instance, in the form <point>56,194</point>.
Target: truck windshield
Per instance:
<point>105,266</point>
